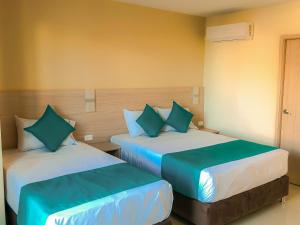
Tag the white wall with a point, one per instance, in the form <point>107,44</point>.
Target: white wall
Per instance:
<point>241,78</point>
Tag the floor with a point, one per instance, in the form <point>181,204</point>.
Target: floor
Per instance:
<point>277,214</point>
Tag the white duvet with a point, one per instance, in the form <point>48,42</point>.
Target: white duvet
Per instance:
<point>148,204</point>
<point>215,183</point>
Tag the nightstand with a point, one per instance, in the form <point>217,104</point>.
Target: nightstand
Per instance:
<point>107,147</point>
<point>209,130</point>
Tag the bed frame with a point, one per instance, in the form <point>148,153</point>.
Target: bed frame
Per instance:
<point>11,218</point>
<point>217,213</point>
<point>233,208</point>
<point>109,105</point>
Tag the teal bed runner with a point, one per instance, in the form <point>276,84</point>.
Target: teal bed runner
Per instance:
<point>41,199</point>
<point>182,169</point>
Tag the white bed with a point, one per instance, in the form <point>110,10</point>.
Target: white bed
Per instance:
<point>148,204</point>
<point>215,183</point>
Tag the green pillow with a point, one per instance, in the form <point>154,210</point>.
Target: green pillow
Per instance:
<point>150,121</point>
<point>179,118</point>
<point>51,129</point>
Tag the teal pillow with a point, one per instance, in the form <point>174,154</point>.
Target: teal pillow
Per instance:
<point>51,129</point>
<point>150,121</point>
<point>179,118</point>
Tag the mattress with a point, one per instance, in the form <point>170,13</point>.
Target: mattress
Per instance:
<point>215,183</point>
<point>148,204</point>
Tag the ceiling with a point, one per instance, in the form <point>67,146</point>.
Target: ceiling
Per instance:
<point>202,7</point>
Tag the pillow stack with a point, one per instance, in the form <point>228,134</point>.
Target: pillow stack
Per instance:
<point>165,112</point>
<point>50,131</point>
<point>152,122</point>
<point>179,118</point>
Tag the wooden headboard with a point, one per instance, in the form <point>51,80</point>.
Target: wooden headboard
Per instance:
<point>105,122</point>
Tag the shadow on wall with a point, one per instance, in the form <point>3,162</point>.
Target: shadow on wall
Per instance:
<point>13,65</point>
<point>57,44</point>
<point>14,58</point>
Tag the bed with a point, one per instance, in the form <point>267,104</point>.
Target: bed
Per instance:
<point>227,191</point>
<point>149,203</point>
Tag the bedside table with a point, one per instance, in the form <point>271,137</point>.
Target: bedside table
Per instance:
<point>107,147</point>
<point>209,130</point>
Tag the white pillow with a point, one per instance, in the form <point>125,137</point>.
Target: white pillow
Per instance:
<point>27,141</point>
<point>165,112</point>
<point>133,127</point>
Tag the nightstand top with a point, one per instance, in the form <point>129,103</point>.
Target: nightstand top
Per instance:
<point>209,130</point>
<point>105,146</point>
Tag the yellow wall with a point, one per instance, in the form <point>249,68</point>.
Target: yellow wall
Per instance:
<point>54,44</point>
<point>241,78</point>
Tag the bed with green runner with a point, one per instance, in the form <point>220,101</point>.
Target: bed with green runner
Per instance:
<point>207,171</point>
<point>82,185</point>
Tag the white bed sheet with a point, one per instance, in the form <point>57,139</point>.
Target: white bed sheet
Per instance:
<point>147,204</point>
<point>215,183</point>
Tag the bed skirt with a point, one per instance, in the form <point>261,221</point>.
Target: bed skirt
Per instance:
<point>228,210</point>
<point>11,218</point>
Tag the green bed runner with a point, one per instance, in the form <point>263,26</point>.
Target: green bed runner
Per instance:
<point>41,199</point>
<point>182,169</point>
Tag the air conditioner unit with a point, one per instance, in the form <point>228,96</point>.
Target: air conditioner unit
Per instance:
<point>230,32</point>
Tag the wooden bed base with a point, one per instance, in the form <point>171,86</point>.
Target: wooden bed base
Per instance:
<point>165,222</point>
<point>228,210</point>
<point>11,218</point>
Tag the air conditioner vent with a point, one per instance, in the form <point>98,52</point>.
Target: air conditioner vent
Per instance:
<point>230,32</point>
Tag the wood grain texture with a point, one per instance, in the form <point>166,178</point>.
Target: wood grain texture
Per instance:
<point>105,122</point>
<point>290,127</point>
<point>282,60</point>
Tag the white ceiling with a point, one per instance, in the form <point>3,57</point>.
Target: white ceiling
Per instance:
<point>202,7</point>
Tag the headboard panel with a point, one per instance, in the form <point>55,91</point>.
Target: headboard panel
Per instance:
<point>105,122</point>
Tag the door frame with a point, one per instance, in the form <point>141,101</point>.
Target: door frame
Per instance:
<point>282,60</point>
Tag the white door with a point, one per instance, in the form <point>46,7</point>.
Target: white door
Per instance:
<point>290,131</point>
